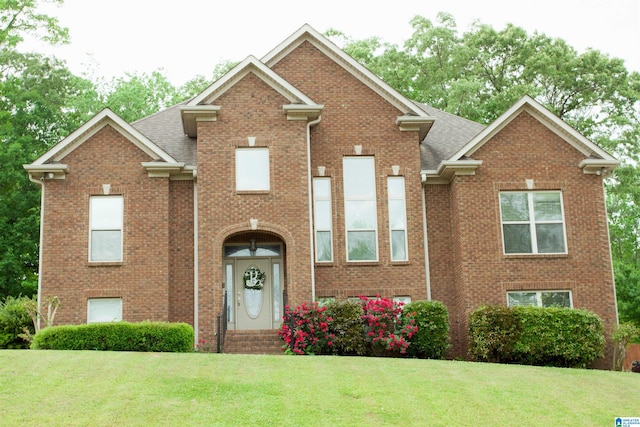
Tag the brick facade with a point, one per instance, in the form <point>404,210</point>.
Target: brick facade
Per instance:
<point>177,223</point>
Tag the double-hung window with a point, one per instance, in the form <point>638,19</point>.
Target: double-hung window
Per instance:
<point>252,169</point>
<point>532,222</point>
<point>106,217</point>
<point>539,298</point>
<point>361,217</point>
<point>397,218</point>
<point>322,218</point>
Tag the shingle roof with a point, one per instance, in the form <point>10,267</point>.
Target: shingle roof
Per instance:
<point>165,129</point>
<point>448,134</point>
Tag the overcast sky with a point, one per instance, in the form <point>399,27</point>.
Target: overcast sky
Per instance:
<point>189,37</point>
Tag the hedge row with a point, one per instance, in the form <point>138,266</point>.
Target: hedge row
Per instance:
<point>117,336</point>
<point>536,336</point>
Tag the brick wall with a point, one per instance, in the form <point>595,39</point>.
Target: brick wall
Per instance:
<point>524,149</point>
<point>141,280</point>
<point>181,292</point>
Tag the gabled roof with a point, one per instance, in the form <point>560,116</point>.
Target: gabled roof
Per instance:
<point>300,107</point>
<point>52,161</point>
<point>308,34</point>
<point>596,159</point>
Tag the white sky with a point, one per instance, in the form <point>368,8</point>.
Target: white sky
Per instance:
<point>189,37</point>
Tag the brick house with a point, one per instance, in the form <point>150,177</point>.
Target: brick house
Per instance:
<point>305,174</point>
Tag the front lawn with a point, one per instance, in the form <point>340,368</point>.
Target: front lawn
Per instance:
<point>78,388</point>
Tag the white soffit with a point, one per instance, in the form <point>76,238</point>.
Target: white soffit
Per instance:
<point>307,33</point>
<point>95,124</point>
<point>546,117</point>
<point>250,65</point>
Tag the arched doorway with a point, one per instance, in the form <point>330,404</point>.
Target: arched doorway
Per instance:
<point>253,271</point>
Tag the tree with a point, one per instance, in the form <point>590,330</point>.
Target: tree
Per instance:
<point>20,17</point>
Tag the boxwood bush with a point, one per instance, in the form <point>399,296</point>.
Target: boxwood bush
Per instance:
<point>536,336</point>
<point>347,328</point>
<point>432,319</point>
<point>117,336</point>
<point>14,319</point>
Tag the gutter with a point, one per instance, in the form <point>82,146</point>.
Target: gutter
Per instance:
<point>310,201</point>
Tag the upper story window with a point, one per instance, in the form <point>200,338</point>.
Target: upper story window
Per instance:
<point>540,298</point>
<point>533,222</point>
<point>397,218</point>
<point>361,217</point>
<point>252,169</point>
<point>322,219</point>
<point>106,218</point>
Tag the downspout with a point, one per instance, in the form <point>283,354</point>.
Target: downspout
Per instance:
<point>613,276</point>
<point>40,182</point>
<point>426,240</point>
<point>195,259</point>
<point>309,191</point>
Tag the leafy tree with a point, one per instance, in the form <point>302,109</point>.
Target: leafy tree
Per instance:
<point>20,17</point>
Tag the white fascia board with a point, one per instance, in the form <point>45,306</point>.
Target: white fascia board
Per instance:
<point>251,64</point>
<point>375,83</point>
<point>91,127</point>
<point>546,117</point>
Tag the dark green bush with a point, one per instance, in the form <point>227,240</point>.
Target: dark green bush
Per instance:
<point>558,337</point>
<point>432,319</point>
<point>347,328</point>
<point>13,320</point>
<point>536,336</point>
<point>117,336</point>
<point>493,333</point>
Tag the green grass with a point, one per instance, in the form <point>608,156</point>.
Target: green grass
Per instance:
<point>84,388</point>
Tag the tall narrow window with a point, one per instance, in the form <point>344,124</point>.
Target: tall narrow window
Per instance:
<point>361,217</point>
<point>106,217</point>
<point>322,219</point>
<point>532,222</point>
<point>230,295</point>
<point>252,169</point>
<point>397,218</point>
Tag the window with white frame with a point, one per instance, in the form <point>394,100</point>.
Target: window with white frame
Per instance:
<point>252,169</point>
<point>540,299</point>
<point>322,219</point>
<point>104,310</point>
<point>361,217</point>
<point>397,218</point>
<point>532,222</point>
<point>106,218</point>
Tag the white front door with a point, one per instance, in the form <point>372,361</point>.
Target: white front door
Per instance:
<point>253,294</point>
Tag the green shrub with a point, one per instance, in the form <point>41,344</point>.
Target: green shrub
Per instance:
<point>117,336</point>
<point>560,337</point>
<point>432,319</point>
<point>347,328</point>
<point>493,333</point>
<point>13,321</point>
<point>536,336</point>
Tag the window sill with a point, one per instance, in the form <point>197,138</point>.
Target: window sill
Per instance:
<point>105,263</point>
<point>400,263</point>
<point>324,264</point>
<point>362,263</point>
<point>533,256</point>
<point>258,192</point>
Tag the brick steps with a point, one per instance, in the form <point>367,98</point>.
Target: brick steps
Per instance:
<point>264,341</point>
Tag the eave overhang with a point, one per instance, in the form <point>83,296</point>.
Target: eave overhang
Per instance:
<point>47,171</point>
<point>421,124</point>
<point>449,169</point>
<point>598,166</point>
<point>302,112</point>
<point>192,114</point>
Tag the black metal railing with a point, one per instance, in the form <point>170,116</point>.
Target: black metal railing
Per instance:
<point>222,324</point>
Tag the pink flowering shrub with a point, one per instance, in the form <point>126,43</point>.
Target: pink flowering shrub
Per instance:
<point>385,329</point>
<point>305,330</point>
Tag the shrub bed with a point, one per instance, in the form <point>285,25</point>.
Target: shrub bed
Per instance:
<point>431,340</point>
<point>536,336</point>
<point>117,336</point>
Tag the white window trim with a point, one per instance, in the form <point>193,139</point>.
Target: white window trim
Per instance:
<point>532,224</point>
<point>539,296</point>
<point>374,199</point>
<point>117,318</point>
<point>315,212</point>
<point>91,229</point>
<point>391,229</point>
